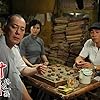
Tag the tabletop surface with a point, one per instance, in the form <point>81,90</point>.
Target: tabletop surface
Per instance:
<point>81,89</point>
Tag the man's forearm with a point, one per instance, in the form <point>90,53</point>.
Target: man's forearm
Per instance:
<point>28,71</point>
<point>97,67</point>
<point>79,58</point>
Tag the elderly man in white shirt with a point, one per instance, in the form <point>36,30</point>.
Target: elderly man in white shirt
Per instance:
<point>14,30</point>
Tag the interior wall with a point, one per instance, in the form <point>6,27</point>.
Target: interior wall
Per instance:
<point>31,7</point>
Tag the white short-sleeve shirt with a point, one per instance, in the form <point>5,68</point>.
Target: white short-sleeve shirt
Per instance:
<point>20,64</point>
<point>91,51</point>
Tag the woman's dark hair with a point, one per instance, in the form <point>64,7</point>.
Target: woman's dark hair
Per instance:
<point>33,23</point>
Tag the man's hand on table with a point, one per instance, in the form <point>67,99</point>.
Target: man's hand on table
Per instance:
<point>41,68</point>
<point>84,64</point>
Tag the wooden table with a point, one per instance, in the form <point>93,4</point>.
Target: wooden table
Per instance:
<point>82,89</point>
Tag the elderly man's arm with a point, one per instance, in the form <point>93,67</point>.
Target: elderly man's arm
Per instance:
<point>29,71</point>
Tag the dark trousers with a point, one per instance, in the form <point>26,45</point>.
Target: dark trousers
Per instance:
<point>38,94</point>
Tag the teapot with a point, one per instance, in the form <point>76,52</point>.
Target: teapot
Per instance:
<point>85,76</point>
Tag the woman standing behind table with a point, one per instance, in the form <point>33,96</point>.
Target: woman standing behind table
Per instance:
<point>32,52</point>
<point>32,46</point>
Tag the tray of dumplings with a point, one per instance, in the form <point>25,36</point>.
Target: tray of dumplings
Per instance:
<point>56,75</point>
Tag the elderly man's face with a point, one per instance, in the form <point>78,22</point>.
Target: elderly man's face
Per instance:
<point>15,30</point>
<point>95,34</point>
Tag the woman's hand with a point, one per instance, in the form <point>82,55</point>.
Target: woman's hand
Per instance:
<point>46,63</point>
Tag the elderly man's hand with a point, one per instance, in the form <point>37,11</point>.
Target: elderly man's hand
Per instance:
<point>41,69</point>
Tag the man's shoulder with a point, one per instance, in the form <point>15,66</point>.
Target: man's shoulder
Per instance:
<point>3,45</point>
<point>89,42</point>
<point>2,39</point>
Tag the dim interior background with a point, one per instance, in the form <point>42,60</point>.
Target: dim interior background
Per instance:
<point>64,30</point>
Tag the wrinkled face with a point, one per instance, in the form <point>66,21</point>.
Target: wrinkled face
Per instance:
<point>15,30</point>
<point>35,30</point>
<point>95,35</point>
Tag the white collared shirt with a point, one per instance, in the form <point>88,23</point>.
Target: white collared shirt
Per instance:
<point>91,51</point>
<point>20,64</point>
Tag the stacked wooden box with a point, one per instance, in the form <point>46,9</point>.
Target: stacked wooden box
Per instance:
<point>66,40</point>
<point>59,48</point>
<point>59,29</point>
<point>74,37</point>
<point>74,31</point>
<point>58,52</point>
